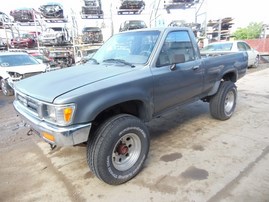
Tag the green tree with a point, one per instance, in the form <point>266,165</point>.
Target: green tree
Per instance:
<point>252,31</point>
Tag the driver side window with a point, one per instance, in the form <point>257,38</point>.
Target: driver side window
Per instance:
<point>177,48</point>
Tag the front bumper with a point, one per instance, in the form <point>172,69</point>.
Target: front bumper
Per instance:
<point>64,136</point>
<point>50,41</point>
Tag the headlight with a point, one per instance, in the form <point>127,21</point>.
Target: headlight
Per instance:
<point>60,115</point>
<point>15,75</point>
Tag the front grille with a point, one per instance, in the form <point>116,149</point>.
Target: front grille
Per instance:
<point>30,104</point>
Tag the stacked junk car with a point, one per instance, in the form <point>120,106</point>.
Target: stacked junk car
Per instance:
<point>92,9</point>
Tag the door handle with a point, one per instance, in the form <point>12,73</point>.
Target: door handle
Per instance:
<point>196,67</point>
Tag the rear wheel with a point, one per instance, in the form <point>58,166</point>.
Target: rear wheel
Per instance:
<point>222,104</point>
<point>118,150</point>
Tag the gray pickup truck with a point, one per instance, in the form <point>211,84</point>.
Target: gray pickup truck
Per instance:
<point>133,77</point>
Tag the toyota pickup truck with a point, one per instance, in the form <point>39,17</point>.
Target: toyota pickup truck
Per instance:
<point>132,78</point>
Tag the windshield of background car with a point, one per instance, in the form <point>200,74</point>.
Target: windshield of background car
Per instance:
<point>52,7</point>
<point>54,29</point>
<point>17,60</point>
<point>132,47</point>
<point>42,57</point>
<point>218,47</point>
<point>26,36</point>
<point>91,29</point>
<point>141,24</point>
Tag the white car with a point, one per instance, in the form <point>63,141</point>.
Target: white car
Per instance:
<point>15,66</point>
<point>220,48</point>
<point>55,36</point>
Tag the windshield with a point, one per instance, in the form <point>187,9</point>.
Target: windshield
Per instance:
<point>42,57</point>
<point>132,47</point>
<point>54,29</point>
<point>26,36</point>
<point>17,60</point>
<point>91,29</point>
<point>52,7</point>
<point>138,23</point>
<point>218,47</point>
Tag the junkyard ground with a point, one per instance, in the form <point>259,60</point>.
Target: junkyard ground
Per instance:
<point>193,157</point>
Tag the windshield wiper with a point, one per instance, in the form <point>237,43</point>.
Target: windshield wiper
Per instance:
<point>119,60</point>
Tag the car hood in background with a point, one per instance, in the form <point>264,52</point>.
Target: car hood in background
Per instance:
<point>26,68</point>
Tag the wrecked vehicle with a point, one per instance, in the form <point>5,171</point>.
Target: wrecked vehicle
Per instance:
<point>131,7</point>
<point>49,62</point>
<point>52,10</point>
<point>3,44</point>
<point>24,41</point>
<point>92,9</point>
<point>92,35</point>
<point>55,36</point>
<point>132,24</point>
<point>179,4</point>
<point>134,77</point>
<point>62,58</point>
<point>16,66</point>
<point>4,20</point>
<point>196,27</point>
<point>23,14</point>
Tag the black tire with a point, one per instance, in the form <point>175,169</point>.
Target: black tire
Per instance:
<point>118,150</point>
<point>6,89</point>
<point>223,103</point>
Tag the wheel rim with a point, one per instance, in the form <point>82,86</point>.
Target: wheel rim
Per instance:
<point>126,152</point>
<point>4,89</point>
<point>229,102</point>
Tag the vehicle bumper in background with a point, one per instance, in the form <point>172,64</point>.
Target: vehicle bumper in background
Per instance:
<point>56,135</point>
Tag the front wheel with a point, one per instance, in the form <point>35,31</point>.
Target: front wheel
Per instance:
<point>6,89</point>
<point>119,148</point>
<point>222,104</point>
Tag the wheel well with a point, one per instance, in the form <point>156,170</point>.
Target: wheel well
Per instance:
<point>134,107</point>
<point>229,77</point>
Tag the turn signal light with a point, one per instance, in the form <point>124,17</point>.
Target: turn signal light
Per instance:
<point>48,136</point>
<point>68,114</point>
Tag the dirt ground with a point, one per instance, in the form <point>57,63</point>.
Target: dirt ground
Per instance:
<point>192,158</point>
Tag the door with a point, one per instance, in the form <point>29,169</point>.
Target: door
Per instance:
<point>252,54</point>
<point>178,76</point>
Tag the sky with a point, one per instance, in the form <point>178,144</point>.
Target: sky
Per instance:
<point>242,11</point>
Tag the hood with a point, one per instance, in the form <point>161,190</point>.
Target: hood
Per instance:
<point>21,40</point>
<point>48,86</point>
<point>26,69</point>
